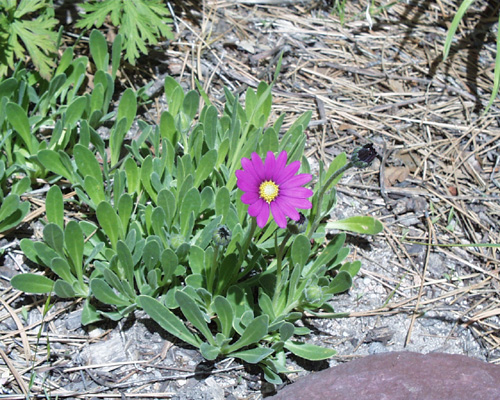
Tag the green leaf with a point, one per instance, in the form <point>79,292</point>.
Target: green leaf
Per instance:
<point>301,248</point>
<point>286,331</point>
<point>74,111</point>
<point>37,35</point>
<point>125,207</point>
<point>9,205</point>
<point>99,50</point>
<point>87,163</point>
<point>225,314</point>
<point>222,200</point>
<point>127,108</point>
<point>207,198</point>
<point>166,200</point>
<point>116,55</point>
<point>190,104</point>
<point>167,320</point>
<point>89,314</point>
<point>309,351</point>
<point>21,186</point>
<point>496,78</point>
<point>193,314</point>
<point>94,189</point>
<point>133,175</point>
<point>197,260</point>
<point>253,356</point>
<point>62,269</point>
<point>454,25</point>
<point>146,172</point>
<point>52,161</point>
<point>117,135</point>
<point>63,289</point>
<point>327,255</point>
<point>252,334</point>
<point>351,267</point>
<point>18,118</point>
<point>190,205</point>
<point>151,254</point>
<point>270,374</point>
<point>210,126</point>
<point>110,222</point>
<point>140,21</point>
<point>74,242</point>
<point>209,352</point>
<point>15,219</point>
<point>340,283</point>
<point>8,86</point>
<point>358,224</point>
<point>206,167</point>
<point>53,235</point>
<point>54,205</point>
<point>337,163</point>
<point>32,283</point>
<point>103,292</point>
<point>44,253</point>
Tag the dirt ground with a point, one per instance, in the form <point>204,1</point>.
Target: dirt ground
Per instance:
<point>380,80</point>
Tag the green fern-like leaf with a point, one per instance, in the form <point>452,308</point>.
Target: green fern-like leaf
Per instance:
<point>141,22</point>
<point>19,33</point>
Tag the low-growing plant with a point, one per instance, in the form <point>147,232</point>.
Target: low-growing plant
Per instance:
<point>20,31</point>
<point>40,121</point>
<point>141,22</point>
<point>12,209</point>
<point>180,227</point>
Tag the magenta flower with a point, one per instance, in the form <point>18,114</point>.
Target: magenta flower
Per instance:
<point>272,186</point>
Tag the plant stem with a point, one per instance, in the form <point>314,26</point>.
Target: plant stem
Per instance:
<point>318,217</point>
<point>279,258</point>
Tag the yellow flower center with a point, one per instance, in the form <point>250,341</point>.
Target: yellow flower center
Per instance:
<point>268,191</point>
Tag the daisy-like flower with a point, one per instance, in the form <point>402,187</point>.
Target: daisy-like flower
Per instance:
<point>272,186</point>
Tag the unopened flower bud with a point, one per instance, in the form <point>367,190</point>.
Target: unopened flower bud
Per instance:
<point>296,227</point>
<point>313,294</point>
<point>363,156</point>
<point>222,236</point>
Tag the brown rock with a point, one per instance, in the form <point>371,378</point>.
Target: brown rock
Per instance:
<point>400,376</point>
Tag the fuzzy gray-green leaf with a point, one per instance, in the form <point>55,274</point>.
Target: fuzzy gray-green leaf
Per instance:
<point>309,351</point>
<point>32,283</point>
<point>167,320</point>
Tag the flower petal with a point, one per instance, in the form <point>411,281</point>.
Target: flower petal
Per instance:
<point>258,166</point>
<point>270,166</point>
<point>263,216</point>
<point>278,215</point>
<point>297,180</point>
<point>287,209</point>
<point>256,208</point>
<point>296,202</point>
<point>249,168</point>
<point>250,197</point>
<point>281,162</point>
<point>296,192</point>
<point>287,173</point>
<point>245,182</point>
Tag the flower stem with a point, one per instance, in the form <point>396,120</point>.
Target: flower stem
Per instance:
<point>280,252</point>
<point>317,217</point>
